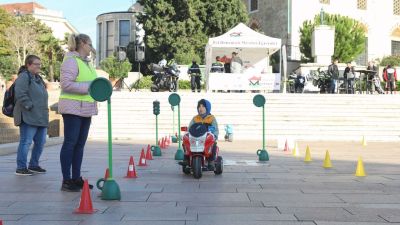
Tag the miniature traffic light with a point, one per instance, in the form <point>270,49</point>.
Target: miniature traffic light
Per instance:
<point>156,108</point>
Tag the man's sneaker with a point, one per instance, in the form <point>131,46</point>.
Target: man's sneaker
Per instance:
<point>37,169</point>
<point>69,186</point>
<point>79,183</point>
<point>23,172</point>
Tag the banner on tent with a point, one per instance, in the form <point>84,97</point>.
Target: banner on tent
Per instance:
<point>239,81</point>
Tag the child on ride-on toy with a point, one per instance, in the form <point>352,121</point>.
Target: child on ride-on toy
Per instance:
<point>205,117</point>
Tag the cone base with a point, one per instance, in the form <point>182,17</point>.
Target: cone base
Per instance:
<point>110,190</point>
<point>262,155</point>
<point>156,150</point>
<point>179,154</point>
<point>77,211</point>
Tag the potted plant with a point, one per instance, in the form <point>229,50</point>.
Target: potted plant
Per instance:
<point>115,68</point>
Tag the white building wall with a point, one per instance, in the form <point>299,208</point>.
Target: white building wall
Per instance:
<point>55,20</point>
<point>378,18</point>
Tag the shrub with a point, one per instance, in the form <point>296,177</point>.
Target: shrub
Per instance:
<point>393,60</point>
<point>145,83</point>
<point>115,68</point>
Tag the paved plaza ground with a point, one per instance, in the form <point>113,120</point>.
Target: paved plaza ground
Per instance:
<point>283,191</point>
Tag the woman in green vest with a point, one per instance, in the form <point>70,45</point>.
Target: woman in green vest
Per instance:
<point>76,107</point>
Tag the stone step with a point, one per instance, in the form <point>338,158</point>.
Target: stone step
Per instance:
<point>9,135</point>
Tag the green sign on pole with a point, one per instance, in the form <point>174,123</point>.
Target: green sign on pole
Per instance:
<point>174,99</point>
<point>101,90</point>
<point>259,101</point>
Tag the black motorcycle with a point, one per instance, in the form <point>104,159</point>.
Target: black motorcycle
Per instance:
<point>164,77</point>
<point>296,83</point>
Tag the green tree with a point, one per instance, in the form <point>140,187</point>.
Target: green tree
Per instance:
<point>180,28</point>
<point>52,55</point>
<point>171,27</point>
<point>6,21</point>
<point>218,16</point>
<point>115,68</point>
<point>8,66</point>
<point>349,37</point>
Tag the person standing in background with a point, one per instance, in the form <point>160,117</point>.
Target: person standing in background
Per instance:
<point>31,114</point>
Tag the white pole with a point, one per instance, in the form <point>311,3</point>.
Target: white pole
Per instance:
<point>284,59</point>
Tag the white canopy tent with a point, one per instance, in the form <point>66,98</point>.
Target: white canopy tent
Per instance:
<point>252,47</point>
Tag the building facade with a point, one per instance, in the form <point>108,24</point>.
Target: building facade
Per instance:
<point>283,19</point>
<point>115,30</point>
<point>53,19</point>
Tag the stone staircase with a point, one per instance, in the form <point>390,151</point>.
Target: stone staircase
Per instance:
<point>293,116</point>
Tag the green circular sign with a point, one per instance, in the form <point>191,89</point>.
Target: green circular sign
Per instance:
<point>100,89</point>
<point>174,99</point>
<point>259,100</point>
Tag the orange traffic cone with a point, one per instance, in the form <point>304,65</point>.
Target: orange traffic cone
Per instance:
<point>142,160</point>
<point>163,143</point>
<point>107,174</point>
<point>131,173</point>
<point>166,142</point>
<point>85,205</point>
<point>169,140</point>
<point>286,149</point>
<point>159,143</point>
<point>148,154</point>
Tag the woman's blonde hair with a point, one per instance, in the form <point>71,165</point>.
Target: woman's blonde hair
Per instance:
<point>76,40</point>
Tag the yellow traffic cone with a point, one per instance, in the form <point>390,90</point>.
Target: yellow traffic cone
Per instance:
<point>364,141</point>
<point>308,155</point>
<point>360,168</point>
<point>327,161</point>
<point>296,150</point>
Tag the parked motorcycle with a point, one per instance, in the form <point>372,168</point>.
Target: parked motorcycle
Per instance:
<point>197,145</point>
<point>296,83</point>
<point>164,77</point>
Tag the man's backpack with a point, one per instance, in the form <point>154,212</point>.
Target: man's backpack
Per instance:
<point>9,101</point>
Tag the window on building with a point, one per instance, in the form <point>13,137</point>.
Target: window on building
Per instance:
<point>396,7</point>
<point>362,59</point>
<point>110,38</point>
<point>395,47</point>
<point>362,4</point>
<point>124,32</point>
<point>99,41</point>
<point>325,1</point>
<point>253,5</point>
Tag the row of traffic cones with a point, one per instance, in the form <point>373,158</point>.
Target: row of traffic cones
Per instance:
<point>165,142</point>
<point>360,172</point>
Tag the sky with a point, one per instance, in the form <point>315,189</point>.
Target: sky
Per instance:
<point>82,13</point>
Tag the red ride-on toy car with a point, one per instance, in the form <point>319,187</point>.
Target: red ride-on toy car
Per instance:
<point>198,145</point>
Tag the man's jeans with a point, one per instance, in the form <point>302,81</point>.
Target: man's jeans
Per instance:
<point>28,134</point>
<point>332,86</point>
<point>76,130</point>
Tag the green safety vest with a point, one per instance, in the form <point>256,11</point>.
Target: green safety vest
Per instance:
<point>86,73</point>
